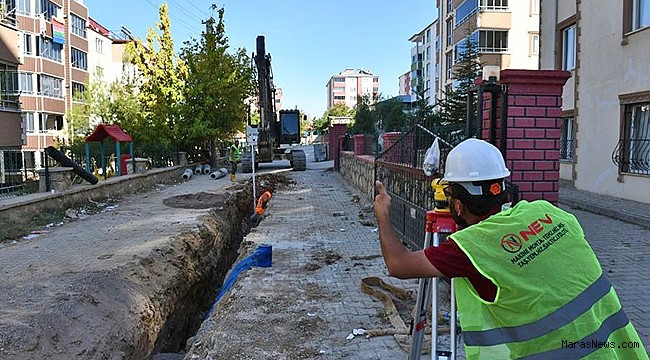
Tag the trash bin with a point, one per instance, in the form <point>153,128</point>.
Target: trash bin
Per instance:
<point>123,159</point>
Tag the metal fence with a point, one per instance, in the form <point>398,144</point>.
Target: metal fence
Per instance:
<point>19,174</point>
<point>399,168</point>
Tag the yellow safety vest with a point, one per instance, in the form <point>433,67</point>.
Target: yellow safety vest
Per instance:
<point>553,300</point>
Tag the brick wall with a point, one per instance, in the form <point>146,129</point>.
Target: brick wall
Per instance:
<point>534,120</point>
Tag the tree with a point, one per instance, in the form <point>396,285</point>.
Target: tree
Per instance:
<point>338,110</point>
<point>101,102</point>
<point>218,85</point>
<point>466,70</point>
<point>364,119</point>
<point>390,114</point>
<point>161,93</point>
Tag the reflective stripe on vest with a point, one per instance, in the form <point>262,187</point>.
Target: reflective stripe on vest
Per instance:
<point>613,323</point>
<point>562,316</point>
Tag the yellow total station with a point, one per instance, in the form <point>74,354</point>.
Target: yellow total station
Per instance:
<point>440,200</point>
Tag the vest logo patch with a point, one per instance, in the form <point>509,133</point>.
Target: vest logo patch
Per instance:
<point>511,243</point>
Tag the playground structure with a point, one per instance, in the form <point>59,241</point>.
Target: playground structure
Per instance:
<point>115,132</point>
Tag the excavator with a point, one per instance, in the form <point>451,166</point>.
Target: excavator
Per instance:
<point>276,135</point>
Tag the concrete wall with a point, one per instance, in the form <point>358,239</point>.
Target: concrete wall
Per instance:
<point>607,69</point>
<point>22,211</point>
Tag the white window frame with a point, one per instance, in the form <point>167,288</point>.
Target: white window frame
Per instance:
<point>640,14</point>
<point>569,48</point>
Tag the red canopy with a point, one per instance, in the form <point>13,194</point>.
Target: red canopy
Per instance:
<point>103,131</point>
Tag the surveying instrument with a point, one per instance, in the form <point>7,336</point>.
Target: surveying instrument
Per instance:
<point>438,224</point>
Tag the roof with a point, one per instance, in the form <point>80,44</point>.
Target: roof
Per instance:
<point>104,130</point>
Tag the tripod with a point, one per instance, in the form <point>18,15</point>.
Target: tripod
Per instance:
<point>438,224</point>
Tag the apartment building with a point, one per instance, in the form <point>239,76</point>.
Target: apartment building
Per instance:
<point>50,39</point>
<point>11,132</point>
<point>606,102</point>
<point>425,67</point>
<point>350,85</point>
<point>506,31</point>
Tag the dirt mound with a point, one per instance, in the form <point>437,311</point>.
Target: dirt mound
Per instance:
<point>202,200</point>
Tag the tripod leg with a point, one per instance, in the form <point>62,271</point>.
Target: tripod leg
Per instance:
<point>420,317</point>
<point>434,308</point>
<point>452,322</point>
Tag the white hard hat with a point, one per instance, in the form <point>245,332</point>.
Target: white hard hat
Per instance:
<point>474,160</point>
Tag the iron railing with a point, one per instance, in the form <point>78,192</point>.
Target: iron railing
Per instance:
<point>566,150</point>
<point>399,168</point>
<point>18,174</point>
<point>633,156</point>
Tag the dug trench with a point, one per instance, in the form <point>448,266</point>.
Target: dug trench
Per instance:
<point>146,308</point>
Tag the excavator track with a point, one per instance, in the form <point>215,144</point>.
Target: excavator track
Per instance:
<point>298,160</point>
<point>246,162</point>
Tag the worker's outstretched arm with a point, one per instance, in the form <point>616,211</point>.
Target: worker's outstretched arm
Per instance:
<point>400,261</point>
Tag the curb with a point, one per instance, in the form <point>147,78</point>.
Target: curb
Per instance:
<point>642,221</point>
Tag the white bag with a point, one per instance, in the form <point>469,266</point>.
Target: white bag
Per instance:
<point>432,158</point>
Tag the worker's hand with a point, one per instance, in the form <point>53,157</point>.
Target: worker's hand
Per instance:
<point>382,203</point>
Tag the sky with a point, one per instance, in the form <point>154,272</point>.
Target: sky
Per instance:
<point>309,40</point>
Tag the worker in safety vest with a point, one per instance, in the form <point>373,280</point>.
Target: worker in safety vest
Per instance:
<point>233,158</point>
<point>262,203</point>
<point>528,285</point>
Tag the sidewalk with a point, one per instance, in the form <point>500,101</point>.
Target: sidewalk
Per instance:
<point>621,209</point>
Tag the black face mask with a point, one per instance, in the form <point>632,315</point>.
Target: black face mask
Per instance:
<point>462,223</point>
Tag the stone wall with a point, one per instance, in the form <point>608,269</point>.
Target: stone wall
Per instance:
<point>359,171</point>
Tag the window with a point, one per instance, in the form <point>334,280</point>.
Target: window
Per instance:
<point>48,49</point>
<point>99,46</point>
<point>50,86</point>
<point>26,83</point>
<point>640,14</point>
<point>375,80</point>
<point>428,51</point>
<point>492,41</point>
<point>339,79</point>
<point>450,6</point>
<point>534,7</point>
<point>28,120</point>
<point>450,65</point>
<point>27,44</point>
<point>47,8</point>
<point>9,82</point>
<point>339,97</point>
<point>569,48</point>
<point>450,33</point>
<point>78,26</point>
<point>78,89</point>
<point>99,71</point>
<point>79,59</point>
<point>633,150</point>
<point>24,7</point>
<point>465,10</point>
<point>494,4</point>
<point>428,35</point>
<point>534,44</point>
<point>566,139</point>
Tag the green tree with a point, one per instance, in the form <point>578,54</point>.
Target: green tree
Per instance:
<point>364,119</point>
<point>101,102</point>
<point>338,110</point>
<point>466,70</point>
<point>218,84</point>
<point>162,79</point>
<point>390,114</point>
